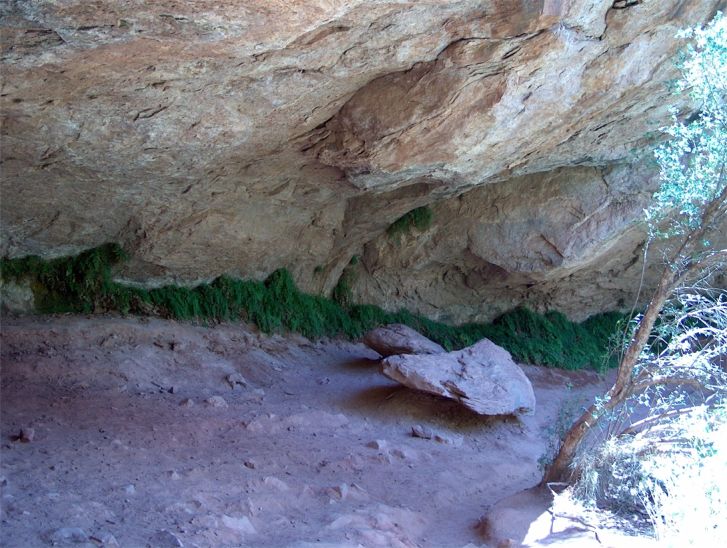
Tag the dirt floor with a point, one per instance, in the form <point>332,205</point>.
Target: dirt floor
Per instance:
<point>158,433</point>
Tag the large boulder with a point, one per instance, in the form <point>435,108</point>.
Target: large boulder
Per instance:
<point>396,338</point>
<point>482,377</point>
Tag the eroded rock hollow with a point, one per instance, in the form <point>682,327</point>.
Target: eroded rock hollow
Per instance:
<point>241,136</point>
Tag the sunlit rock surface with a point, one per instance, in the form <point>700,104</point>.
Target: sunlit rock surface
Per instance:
<point>394,339</point>
<point>482,377</point>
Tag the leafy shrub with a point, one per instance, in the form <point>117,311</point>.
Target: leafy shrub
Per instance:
<point>420,218</point>
<point>684,492</point>
<point>670,475</point>
<point>688,207</point>
<point>669,465</point>
<point>67,284</point>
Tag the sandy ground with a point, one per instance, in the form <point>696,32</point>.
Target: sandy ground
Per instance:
<point>140,439</point>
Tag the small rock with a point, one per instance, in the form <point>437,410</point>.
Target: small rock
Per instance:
<point>419,431</point>
<point>235,379</point>
<point>377,444</point>
<point>165,539</point>
<point>401,453</point>
<point>276,483</point>
<point>241,524</point>
<point>26,435</point>
<point>68,535</point>
<point>251,464</point>
<point>105,539</point>
<point>347,492</point>
<point>174,475</point>
<point>205,522</point>
<point>340,491</point>
<point>448,440</point>
<point>216,401</point>
<point>173,389</point>
<point>130,489</point>
<point>423,432</point>
<point>187,402</point>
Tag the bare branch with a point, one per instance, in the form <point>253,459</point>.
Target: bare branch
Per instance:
<point>705,262</point>
<point>666,381</point>
<point>651,421</point>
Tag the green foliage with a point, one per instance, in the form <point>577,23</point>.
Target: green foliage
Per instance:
<point>67,284</point>
<point>420,218</point>
<point>692,161</point>
<point>342,292</point>
<point>546,339</point>
<point>84,284</point>
<point>671,473</point>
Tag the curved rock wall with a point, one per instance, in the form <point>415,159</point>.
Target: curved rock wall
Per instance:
<point>240,136</point>
<point>550,240</point>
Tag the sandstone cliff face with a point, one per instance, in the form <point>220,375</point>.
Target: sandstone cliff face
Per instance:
<point>518,242</point>
<point>243,136</point>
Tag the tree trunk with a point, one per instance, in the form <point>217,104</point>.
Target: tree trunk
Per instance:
<point>560,469</point>
<point>677,268</point>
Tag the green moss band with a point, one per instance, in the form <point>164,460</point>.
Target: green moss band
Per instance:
<point>83,284</point>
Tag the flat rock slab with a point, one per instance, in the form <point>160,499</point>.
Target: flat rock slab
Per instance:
<point>539,518</point>
<point>483,377</point>
<point>396,338</point>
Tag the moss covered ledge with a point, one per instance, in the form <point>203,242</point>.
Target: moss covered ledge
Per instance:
<point>84,284</point>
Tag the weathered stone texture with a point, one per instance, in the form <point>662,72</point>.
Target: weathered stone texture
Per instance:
<point>243,136</point>
<point>482,377</point>
<point>394,339</point>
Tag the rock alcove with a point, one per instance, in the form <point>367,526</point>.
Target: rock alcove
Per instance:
<point>454,158</point>
<point>241,137</point>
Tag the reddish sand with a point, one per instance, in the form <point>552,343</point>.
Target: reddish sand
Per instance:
<point>315,450</point>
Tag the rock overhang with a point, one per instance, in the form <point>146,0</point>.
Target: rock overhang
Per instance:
<point>240,137</point>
